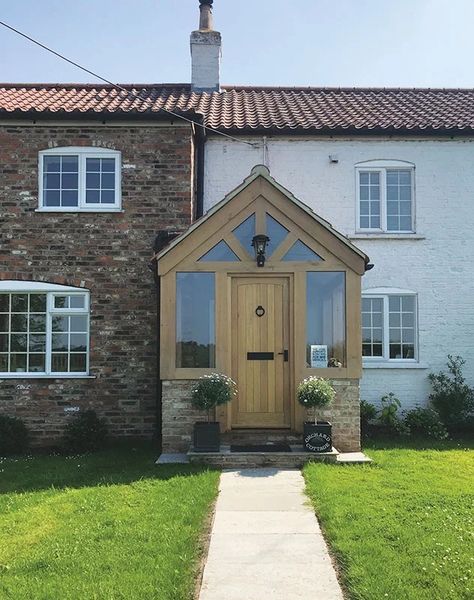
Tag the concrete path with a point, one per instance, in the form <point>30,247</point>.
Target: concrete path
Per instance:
<point>266,542</point>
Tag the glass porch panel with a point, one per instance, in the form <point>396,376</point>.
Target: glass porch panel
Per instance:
<point>195,320</point>
<point>325,319</point>
<point>245,232</point>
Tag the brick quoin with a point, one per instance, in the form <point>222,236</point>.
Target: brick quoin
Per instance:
<point>107,253</point>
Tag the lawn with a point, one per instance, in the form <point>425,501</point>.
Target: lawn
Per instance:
<point>105,526</point>
<point>402,528</point>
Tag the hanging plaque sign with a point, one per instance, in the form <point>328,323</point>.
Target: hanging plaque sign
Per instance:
<point>319,356</point>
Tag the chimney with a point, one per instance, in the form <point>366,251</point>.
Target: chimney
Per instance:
<point>205,52</point>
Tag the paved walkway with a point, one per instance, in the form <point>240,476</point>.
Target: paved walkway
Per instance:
<point>266,542</point>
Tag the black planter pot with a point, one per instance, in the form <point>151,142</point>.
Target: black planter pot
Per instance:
<point>317,438</point>
<point>207,437</point>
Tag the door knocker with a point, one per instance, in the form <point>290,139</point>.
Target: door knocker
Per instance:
<point>259,311</point>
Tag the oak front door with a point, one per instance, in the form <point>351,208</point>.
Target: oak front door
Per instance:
<point>260,353</point>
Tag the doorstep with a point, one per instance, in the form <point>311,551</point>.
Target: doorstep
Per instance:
<point>288,460</point>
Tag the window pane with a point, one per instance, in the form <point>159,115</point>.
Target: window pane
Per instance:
<point>220,252</point>
<point>37,363</point>
<point>52,164</point>
<point>245,232</point>
<point>276,232</point>
<point>93,181</point>
<point>326,315</point>
<point>107,197</point>
<point>37,343</point>
<point>369,200</point>
<point>4,302</point>
<point>3,342</point>
<point>69,198</point>
<point>78,342</point>
<point>108,164</point>
<point>61,302</point>
<point>4,322</point>
<point>402,327</point>
<point>78,363</point>
<point>60,323</point>
<point>372,327</point>
<point>59,363</point>
<point>18,342</point>
<point>77,301</point>
<point>195,310</point>
<point>108,181</point>
<point>38,303</point>
<point>52,198</point>
<point>100,181</point>
<point>70,164</point>
<point>18,362</point>
<point>52,181</point>
<point>301,252</point>
<point>19,323</point>
<point>93,197</point>
<point>79,324</point>
<point>93,164</point>
<point>59,342</point>
<point>3,363</point>
<point>19,302</point>
<point>69,181</point>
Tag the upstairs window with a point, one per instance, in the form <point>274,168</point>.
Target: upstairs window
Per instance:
<point>385,197</point>
<point>75,179</point>
<point>44,330</point>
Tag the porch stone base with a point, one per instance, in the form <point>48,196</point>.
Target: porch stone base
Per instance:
<point>344,414</point>
<point>179,416</point>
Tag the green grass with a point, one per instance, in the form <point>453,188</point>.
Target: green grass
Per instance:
<point>105,526</point>
<point>402,528</point>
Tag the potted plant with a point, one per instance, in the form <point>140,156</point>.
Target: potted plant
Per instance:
<point>316,392</point>
<point>210,391</point>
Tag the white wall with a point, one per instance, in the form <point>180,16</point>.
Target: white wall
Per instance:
<point>439,267</point>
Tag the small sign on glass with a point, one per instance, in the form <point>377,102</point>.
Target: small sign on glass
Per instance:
<point>319,356</point>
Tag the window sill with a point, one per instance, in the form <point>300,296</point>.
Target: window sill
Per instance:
<point>43,376</point>
<point>386,236</point>
<point>79,210</point>
<point>395,365</point>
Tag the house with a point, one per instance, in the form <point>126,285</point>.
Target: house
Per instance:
<point>117,206</point>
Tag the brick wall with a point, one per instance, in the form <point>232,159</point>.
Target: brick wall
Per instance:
<point>106,253</point>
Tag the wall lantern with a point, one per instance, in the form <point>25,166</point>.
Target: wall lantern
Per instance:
<point>259,243</point>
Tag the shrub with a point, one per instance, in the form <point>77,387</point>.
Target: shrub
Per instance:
<point>426,421</point>
<point>85,433</point>
<point>211,391</point>
<point>315,392</point>
<point>13,436</point>
<point>452,398</point>
<point>388,416</point>
<point>368,413</point>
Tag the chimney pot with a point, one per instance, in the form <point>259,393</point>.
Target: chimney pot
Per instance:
<point>205,16</point>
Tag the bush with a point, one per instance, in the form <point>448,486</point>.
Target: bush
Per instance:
<point>211,391</point>
<point>389,418</point>
<point>85,433</point>
<point>452,398</point>
<point>13,436</point>
<point>368,413</point>
<point>315,392</point>
<point>426,421</point>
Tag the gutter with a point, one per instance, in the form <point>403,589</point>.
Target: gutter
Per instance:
<point>200,160</point>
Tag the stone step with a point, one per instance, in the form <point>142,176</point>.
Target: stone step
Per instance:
<point>238,460</point>
<point>261,436</point>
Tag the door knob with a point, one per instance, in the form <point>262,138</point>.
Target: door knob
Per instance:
<point>285,355</point>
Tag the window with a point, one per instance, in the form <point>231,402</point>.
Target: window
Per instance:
<point>385,197</point>
<point>195,318</point>
<point>75,179</point>
<point>389,327</point>
<point>325,319</point>
<point>44,329</point>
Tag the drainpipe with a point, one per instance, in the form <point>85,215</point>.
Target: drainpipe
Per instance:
<point>200,158</point>
<point>163,238</point>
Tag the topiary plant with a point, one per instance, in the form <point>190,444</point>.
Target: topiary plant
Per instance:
<point>211,391</point>
<point>13,436</point>
<point>315,392</point>
<point>85,433</point>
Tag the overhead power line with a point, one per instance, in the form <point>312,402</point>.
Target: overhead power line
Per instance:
<point>120,87</point>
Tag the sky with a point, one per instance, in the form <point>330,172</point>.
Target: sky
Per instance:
<point>389,43</point>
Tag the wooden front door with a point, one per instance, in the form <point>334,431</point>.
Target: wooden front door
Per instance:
<point>260,336</point>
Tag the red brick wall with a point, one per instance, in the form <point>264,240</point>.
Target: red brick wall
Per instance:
<point>106,253</point>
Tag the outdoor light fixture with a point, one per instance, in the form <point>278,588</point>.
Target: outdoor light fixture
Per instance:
<point>259,243</point>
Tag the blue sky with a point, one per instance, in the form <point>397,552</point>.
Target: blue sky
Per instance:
<point>265,42</point>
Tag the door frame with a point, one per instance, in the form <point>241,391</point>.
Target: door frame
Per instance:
<point>226,420</point>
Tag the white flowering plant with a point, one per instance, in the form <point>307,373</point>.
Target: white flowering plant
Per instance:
<point>213,390</point>
<point>315,392</point>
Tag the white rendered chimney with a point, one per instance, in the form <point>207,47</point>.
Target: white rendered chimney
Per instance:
<point>205,52</point>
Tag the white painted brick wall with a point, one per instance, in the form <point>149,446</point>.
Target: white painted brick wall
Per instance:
<point>440,268</point>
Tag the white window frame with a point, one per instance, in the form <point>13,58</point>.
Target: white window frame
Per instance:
<point>82,153</point>
<point>51,290</point>
<point>384,294</point>
<point>381,167</point>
